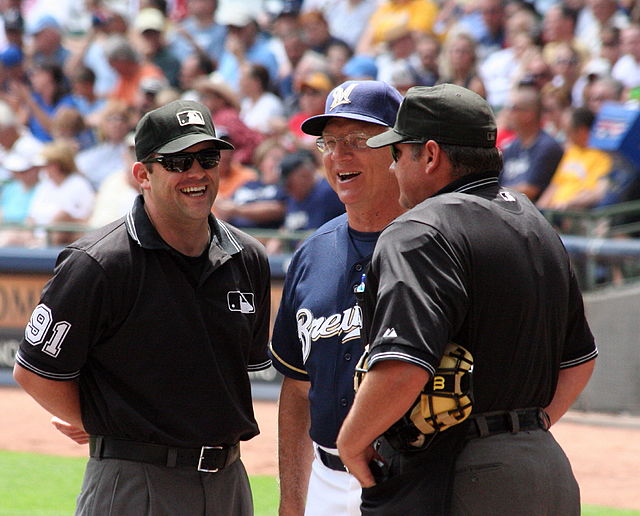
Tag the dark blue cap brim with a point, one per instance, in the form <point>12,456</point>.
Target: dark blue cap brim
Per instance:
<point>315,125</point>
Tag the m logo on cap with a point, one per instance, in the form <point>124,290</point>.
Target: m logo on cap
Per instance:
<point>341,96</point>
<point>190,118</point>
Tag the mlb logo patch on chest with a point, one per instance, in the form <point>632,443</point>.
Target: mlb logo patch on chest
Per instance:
<point>241,302</point>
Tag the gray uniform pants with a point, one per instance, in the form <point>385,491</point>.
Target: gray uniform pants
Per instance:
<point>113,487</point>
<point>524,474</point>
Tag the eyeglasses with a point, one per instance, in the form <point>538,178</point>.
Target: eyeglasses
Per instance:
<point>181,162</point>
<point>395,153</point>
<point>351,141</point>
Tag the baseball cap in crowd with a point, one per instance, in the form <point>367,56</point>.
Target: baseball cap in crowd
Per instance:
<point>174,127</point>
<point>369,101</point>
<point>11,56</point>
<point>44,22</point>
<point>292,162</point>
<point>445,113</point>
<point>16,162</point>
<point>13,20</point>
<point>149,18</point>
<point>235,16</point>
<point>318,81</point>
<point>360,67</point>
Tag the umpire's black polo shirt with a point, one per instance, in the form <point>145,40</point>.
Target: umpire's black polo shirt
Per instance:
<point>161,356</point>
<point>480,266</point>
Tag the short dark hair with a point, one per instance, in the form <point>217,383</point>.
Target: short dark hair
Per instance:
<point>472,160</point>
<point>467,160</point>
<point>582,117</point>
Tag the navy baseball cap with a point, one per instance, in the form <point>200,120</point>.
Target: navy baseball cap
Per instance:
<point>375,102</point>
<point>445,113</point>
<point>174,127</point>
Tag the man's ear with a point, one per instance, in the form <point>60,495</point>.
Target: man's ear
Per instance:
<point>433,155</point>
<point>141,175</point>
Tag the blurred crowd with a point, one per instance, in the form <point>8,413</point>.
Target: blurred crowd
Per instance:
<point>76,76</point>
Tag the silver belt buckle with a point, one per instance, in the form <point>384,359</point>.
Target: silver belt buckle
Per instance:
<point>202,457</point>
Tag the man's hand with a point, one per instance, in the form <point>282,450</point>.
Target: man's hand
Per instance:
<point>72,432</point>
<point>357,462</point>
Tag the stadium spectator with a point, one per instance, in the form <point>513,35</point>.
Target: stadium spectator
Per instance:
<point>117,192</point>
<point>566,67</point>
<point>131,70</point>
<point>458,63</point>
<point>428,52</point>
<point>602,90</point>
<point>556,102</point>
<point>259,203</point>
<point>193,67</point>
<point>399,53</point>
<point>260,108</point>
<point>46,42</point>
<point>348,19</point>
<point>421,16</point>
<point>311,201</point>
<point>558,27</point>
<point>48,93</point>
<point>68,125</point>
<point>232,175</point>
<point>224,105</point>
<point>84,95</point>
<point>314,89</point>
<point>532,157</point>
<point>315,31</point>
<point>150,25</point>
<point>108,23</point>
<point>198,32</point>
<point>499,70</point>
<point>338,55</point>
<point>244,42</point>
<point>17,193</point>
<point>14,138</point>
<point>108,155</point>
<point>594,18</point>
<point>63,195</point>
<point>610,48</point>
<point>579,182</point>
<point>627,68</point>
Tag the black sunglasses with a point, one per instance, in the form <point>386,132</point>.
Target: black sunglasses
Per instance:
<point>181,162</point>
<point>395,153</point>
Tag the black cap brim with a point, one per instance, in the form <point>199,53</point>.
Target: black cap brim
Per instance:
<point>388,138</point>
<point>186,141</point>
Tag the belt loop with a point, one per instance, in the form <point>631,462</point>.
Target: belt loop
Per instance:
<point>515,421</point>
<point>99,446</point>
<point>481,423</point>
<point>543,419</point>
<point>172,457</point>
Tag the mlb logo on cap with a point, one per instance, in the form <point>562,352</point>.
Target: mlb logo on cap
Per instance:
<point>190,118</point>
<point>375,102</point>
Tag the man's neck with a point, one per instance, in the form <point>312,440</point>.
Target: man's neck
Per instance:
<point>372,220</point>
<point>190,241</point>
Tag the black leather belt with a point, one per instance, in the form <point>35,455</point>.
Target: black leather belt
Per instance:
<point>507,421</point>
<point>331,461</point>
<point>207,459</point>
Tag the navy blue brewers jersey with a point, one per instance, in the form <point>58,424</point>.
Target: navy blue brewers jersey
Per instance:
<point>316,336</point>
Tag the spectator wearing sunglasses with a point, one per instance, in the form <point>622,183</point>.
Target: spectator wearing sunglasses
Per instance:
<point>142,341</point>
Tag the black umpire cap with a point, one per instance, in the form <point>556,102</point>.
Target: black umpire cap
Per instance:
<point>445,113</point>
<point>174,127</point>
